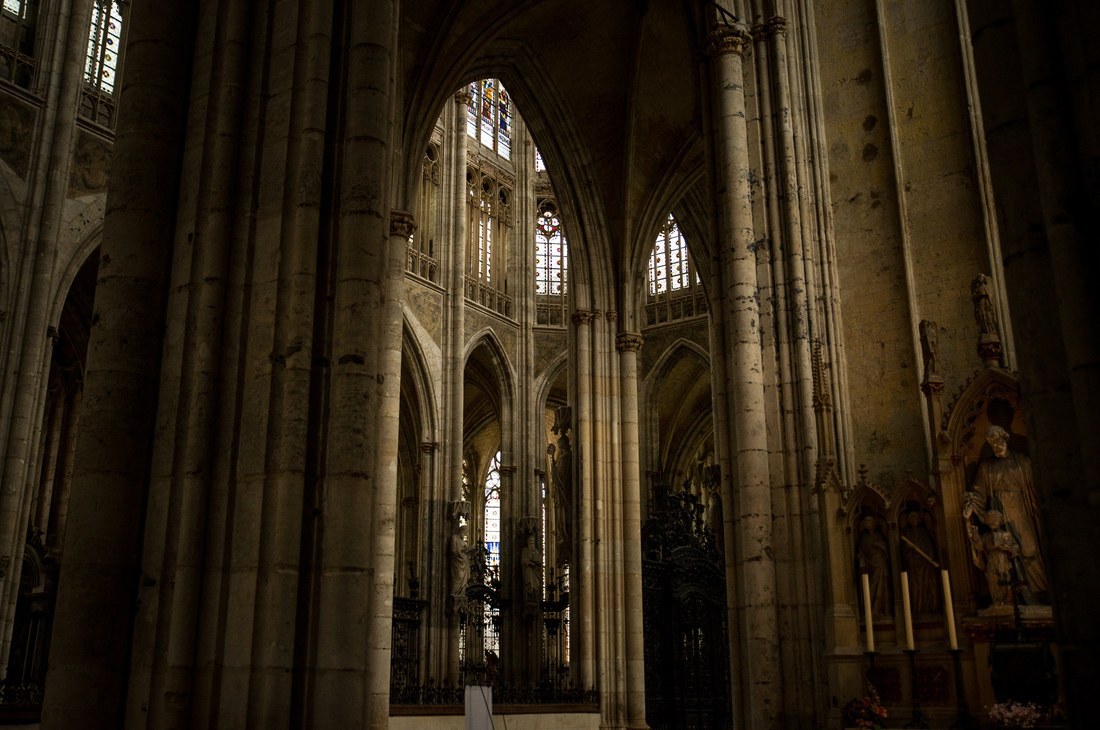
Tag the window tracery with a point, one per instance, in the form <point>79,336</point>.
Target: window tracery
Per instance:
<point>102,62</point>
<point>18,21</point>
<point>673,286</point>
<point>551,265</point>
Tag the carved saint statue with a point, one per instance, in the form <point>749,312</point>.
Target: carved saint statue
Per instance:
<point>873,558</point>
<point>531,559</point>
<point>918,552</point>
<point>983,307</point>
<point>460,567</point>
<point>561,473</point>
<point>998,551</point>
<point>1004,484</point>
<point>929,346</point>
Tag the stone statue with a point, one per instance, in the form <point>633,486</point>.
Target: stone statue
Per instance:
<point>873,558</point>
<point>460,567</point>
<point>561,473</point>
<point>531,560</point>
<point>1004,484</point>
<point>998,550</point>
<point>983,307</point>
<point>929,346</point>
<point>918,553</point>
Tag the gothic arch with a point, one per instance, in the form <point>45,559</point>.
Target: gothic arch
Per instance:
<point>676,418</point>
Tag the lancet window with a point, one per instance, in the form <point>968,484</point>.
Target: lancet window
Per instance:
<point>18,19</point>
<point>674,289</point>
<point>102,63</point>
<point>421,257</point>
<point>490,206</point>
<point>490,116</point>
<point>551,265</point>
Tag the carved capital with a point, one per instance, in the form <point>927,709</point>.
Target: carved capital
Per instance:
<point>932,385</point>
<point>724,39</point>
<point>773,26</point>
<point>582,316</point>
<point>402,224</point>
<point>429,447</point>
<point>462,96</point>
<point>51,333</point>
<point>507,469</point>
<point>628,342</point>
<point>612,316</point>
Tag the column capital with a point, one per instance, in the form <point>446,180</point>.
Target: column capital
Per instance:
<point>429,447</point>
<point>462,96</point>
<point>402,224</point>
<point>773,26</point>
<point>52,333</point>
<point>724,38</point>
<point>583,316</point>
<point>612,315</point>
<point>628,342</point>
<point>509,469</point>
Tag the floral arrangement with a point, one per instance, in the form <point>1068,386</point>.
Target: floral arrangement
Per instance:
<point>1016,714</point>
<point>865,712</point>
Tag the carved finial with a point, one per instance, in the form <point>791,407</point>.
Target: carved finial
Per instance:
<point>989,329</point>
<point>930,349</point>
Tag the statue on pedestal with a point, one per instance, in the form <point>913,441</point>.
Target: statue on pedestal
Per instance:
<point>531,560</point>
<point>460,567</point>
<point>1004,485</point>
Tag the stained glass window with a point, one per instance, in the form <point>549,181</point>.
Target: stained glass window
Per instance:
<point>492,511</point>
<point>490,115</point>
<point>540,164</point>
<point>492,547</point>
<point>104,44</point>
<point>17,33</point>
<point>669,268</point>
<point>551,252</point>
<point>485,227</point>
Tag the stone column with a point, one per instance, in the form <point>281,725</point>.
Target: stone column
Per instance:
<point>582,571</point>
<point>51,459</point>
<point>354,585</point>
<point>88,669</point>
<point>59,506</point>
<point>751,511</point>
<point>456,298</point>
<point>455,332</point>
<point>628,344</point>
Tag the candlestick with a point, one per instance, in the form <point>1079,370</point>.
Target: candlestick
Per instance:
<point>867,612</point>
<point>949,609</point>
<point>907,611</point>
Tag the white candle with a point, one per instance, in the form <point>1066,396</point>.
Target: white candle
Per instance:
<point>867,612</point>
<point>949,609</point>
<point>907,611</point>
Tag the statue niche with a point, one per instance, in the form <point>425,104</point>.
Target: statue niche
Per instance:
<point>873,560</point>
<point>919,558</point>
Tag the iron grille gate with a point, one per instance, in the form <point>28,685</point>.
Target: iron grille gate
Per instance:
<point>684,606</point>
